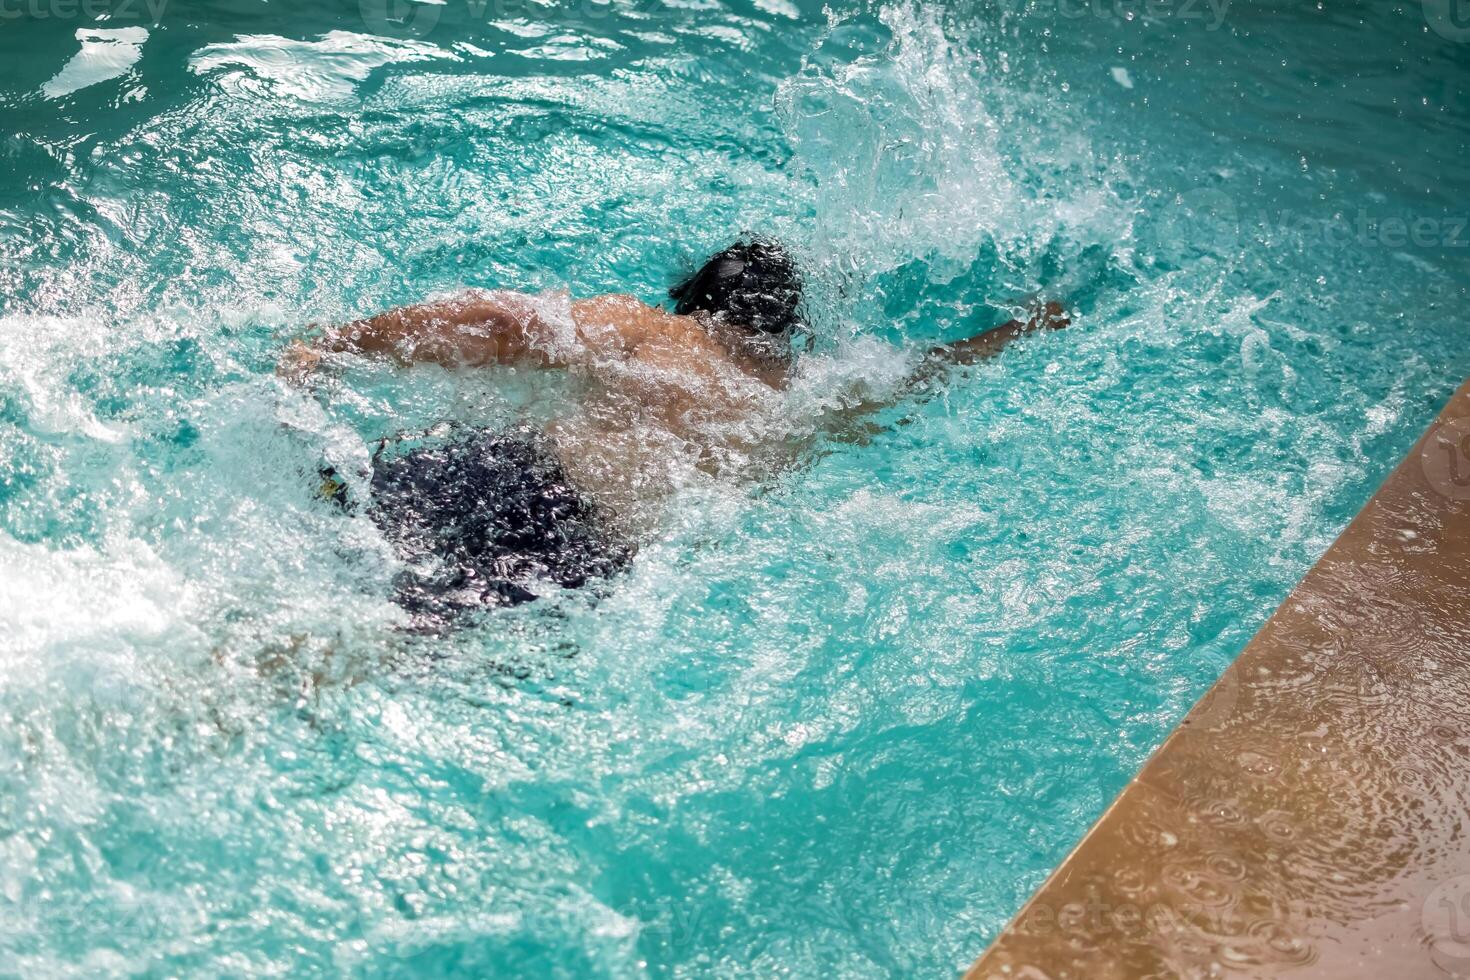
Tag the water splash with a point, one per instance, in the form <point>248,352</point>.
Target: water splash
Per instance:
<point>840,719</point>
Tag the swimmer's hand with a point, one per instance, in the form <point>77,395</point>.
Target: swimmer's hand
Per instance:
<point>298,362</point>
<point>1050,315</point>
<point>845,422</point>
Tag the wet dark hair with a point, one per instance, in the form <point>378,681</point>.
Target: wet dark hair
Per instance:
<point>754,283</point>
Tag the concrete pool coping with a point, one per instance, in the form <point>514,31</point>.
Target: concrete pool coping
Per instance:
<point>1311,814</point>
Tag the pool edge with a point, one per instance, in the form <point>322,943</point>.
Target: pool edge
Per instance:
<point>1302,817</point>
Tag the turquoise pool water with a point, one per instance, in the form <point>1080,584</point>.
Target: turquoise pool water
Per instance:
<point>838,723</point>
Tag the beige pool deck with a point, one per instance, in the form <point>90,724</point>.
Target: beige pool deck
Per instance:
<point>1310,817</point>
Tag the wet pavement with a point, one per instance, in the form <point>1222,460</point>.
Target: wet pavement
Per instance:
<point>1311,815</point>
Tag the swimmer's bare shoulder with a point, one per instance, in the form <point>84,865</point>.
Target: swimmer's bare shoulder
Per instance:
<point>629,327</point>
<point>481,327</point>
<point>622,322</point>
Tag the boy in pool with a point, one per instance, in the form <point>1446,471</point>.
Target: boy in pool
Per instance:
<point>663,394</point>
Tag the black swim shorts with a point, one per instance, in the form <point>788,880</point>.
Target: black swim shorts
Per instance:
<point>481,519</point>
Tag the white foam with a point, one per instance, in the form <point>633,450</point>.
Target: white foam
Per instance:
<point>902,147</point>
<point>105,54</point>
<point>327,69</point>
<point>89,602</point>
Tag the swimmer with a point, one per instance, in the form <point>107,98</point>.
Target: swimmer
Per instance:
<point>664,393</point>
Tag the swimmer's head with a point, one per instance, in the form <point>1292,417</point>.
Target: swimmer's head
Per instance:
<point>754,284</point>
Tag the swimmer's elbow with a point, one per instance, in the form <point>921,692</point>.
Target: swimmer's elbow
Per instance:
<point>473,328</point>
<point>484,327</point>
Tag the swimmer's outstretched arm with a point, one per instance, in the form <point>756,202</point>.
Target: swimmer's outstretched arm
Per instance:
<point>1048,316</point>
<point>849,422</point>
<point>474,328</point>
